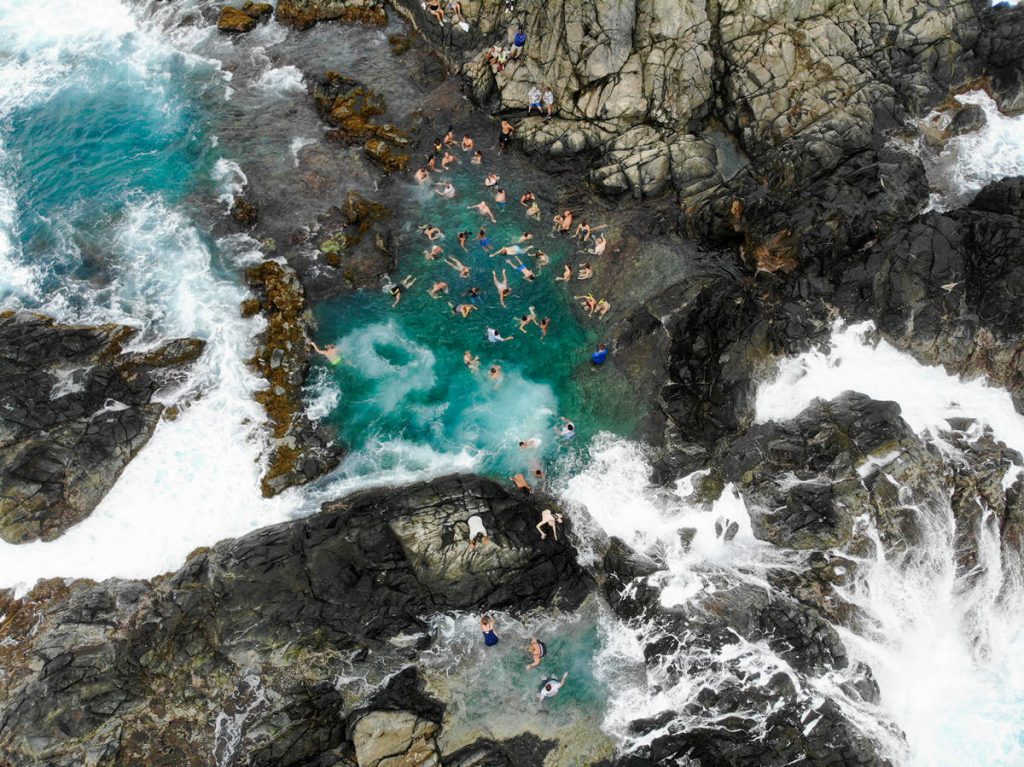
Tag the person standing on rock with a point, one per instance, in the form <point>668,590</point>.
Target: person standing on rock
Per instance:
<point>477,531</point>
<point>487,627</point>
<point>550,686</point>
<point>534,101</point>
<point>549,102</point>
<point>518,42</point>
<point>505,134</point>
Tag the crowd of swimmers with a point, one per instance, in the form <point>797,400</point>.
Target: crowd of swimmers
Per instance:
<point>536,649</point>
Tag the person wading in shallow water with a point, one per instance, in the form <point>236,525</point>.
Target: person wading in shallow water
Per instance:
<point>537,650</point>
<point>487,627</point>
<point>550,686</point>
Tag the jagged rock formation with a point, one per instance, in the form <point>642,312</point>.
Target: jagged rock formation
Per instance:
<point>302,14</point>
<point>300,450</point>
<point>129,672</point>
<point>243,19</point>
<point>75,408</point>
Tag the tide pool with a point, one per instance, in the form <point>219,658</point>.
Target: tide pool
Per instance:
<point>403,376</point>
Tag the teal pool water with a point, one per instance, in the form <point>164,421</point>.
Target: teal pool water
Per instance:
<point>403,376</point>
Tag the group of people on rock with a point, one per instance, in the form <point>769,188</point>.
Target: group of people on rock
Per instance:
<point>499,56</point>
<point>536,649</point>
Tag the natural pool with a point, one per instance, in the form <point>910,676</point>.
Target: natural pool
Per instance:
<point>403,380</point>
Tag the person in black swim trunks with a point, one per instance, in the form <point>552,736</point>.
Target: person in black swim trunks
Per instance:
<point>505,136</point>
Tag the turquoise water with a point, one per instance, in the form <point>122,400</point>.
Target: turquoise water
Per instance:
<point>404,377</point>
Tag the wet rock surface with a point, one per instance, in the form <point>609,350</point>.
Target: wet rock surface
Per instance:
<point>75,408</point>
<point>132,672</point>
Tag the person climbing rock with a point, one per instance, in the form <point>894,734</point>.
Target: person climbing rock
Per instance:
<point>550,686</point>
<point>477,532</point>
<point>551,520</point>
<point>537,650</point>
<point>487,626</point>
<point>518,42</point>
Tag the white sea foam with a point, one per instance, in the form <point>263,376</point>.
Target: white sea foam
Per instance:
<point>197,480</point>
<point>285,81</point>
<point>230,178</point>
<point>298,144</point>
<point>927,395</point>
<point>969,162</point>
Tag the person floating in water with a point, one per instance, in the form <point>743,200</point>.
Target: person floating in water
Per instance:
<point>495,337</point>
<point>432,232</point>
<point>599,356</point>
<point>529,444</point>
<point>484,209</point>
<point>472,362</point>
<point>537,650</point>
<point>483,240</point>
<point>467,143</point>
<point>464,311</point>
<point>330,352</point>
<point>446,190</point>
<point>567,430</point>
<point>549,519</point>
<point>528,274</point>
<point>458,266</point>
<point>477,532</point>
<point>504,291</point>
<point>437,289</point>
<point>550,686</point>
<point>487,627</point>
<point>495,374</point>
<point>398,288</point>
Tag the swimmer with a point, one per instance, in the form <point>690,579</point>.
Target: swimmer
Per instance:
<point>438,145</point>
<point>463,310</point>
<point>549,519</point>
<point>495,374</point>
<point>477,532</point>
<point>525,237</point>
<point>505,134</point>
<point>492,179</point>
<point>463,236</point>
<point>526,319</point>
<point>523,269</point>
<point>478,158</point>
<point>449,137</point>
<point>500,198</point>
<point>437,289</point>
<point>446,190</point>
<point>433,253</point>
<point>550,686</point>
<point>538,476</point>
<point>585,271</point>
<point>422,175</point>
<point>330,352</point>
<point>448,159</point>
<point>566,274</point>
<point>584,229</point>
<point>458,266</point>
<point>483,240</point>
<point>474,295</point>
<point>495,337</point>
<point>529,444</point>
<point>527,198</point>
<point>566,224</point>
<point>533,211</point>
<point>398,288</point>
<point>567,430</point>
<point>432,232</point>
<point>472,362</point>
<point>512,250</point>
<point>467,143</point>
<point>542,260</point>
<point>600,243</point>
<point>484,210</point>
<point>544,324</point>
<point>537,652</point>
<point>602,308</point>
<point>501,286</point>
<point>431,163</point>
<point>521,484</point>
<point>487,627</point>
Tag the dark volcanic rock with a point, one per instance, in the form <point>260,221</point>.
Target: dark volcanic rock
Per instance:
<point>303,14</point>
<point>74,410</point>
<point>130,670</point>
<point>965,120</point>
<point>999,47</point>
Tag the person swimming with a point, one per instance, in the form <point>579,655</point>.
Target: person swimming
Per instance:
<point>550,686</point>
<point>446,190</point>
<point>484,210</point>
<point>544,324</point>
<point>398,288</point>
<point>464,311</point>
<point>483,240</point>
<point>491,179</point>
<point>432,232</point>
<point>463,237</point>
<point>472,362</point>
<point>567,430</point>
<point>458,266</point>
<point>537,650</point>
<point>437,289</point>
<point>600,355</point>
<point>478,158</point>
<point>495,337</point>
<point>504,291</point>
<point>495,374</point>
<point>422,175</point>
<point>527,273</point>
<point>467,143</point>
<point>433,253</point>
<point>500,198</point>
<point>529,444</point>
<point>330,352</point>
<point>487,626</point>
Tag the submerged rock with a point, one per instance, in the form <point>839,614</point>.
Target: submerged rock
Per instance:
<point>303,14</point>
<point>258,627</point>
<point>75,408</point>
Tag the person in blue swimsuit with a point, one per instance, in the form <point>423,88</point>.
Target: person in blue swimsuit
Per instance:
<point>599,356</point>
<point>487,627</point>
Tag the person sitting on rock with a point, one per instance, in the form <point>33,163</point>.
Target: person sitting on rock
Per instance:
<point>487,627</point>
<point>435,9</point>
<point>537,650</point>
<point>550,687</point>
<point>521,484</point>
<point>549,519</point>
<point>477,532</point>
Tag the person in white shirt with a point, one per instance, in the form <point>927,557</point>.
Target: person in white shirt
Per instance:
<point>477,532</point>
<point>534,98</point>
<point>550,686</point>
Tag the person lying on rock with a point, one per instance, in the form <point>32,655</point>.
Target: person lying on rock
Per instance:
<point>487,627</point>
<point>537,650</point>
<point>521,484</point>
<point>550,686</point>
<point>477,532</point>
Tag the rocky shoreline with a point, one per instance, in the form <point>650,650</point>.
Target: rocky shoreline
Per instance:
<point>251,652</point>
